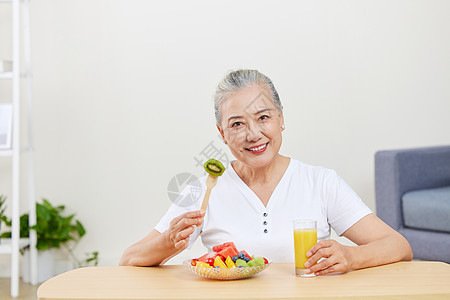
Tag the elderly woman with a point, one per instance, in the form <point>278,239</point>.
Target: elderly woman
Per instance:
<point>262,192</point>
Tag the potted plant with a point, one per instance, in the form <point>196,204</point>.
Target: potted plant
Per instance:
<point>54,230</point>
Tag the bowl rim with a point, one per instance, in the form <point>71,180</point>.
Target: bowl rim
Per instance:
<point>228,273</point>
<point>187,262</point>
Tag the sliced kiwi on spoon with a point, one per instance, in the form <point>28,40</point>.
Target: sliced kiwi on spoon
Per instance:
<point>214,167</point>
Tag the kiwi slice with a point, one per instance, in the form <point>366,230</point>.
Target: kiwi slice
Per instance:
<point>214,167</point>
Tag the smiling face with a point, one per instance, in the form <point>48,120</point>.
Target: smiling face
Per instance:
<point>251,125</point>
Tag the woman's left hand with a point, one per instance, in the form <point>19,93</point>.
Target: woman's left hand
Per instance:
<point>337,258</point>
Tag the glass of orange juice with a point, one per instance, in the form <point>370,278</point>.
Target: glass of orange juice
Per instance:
<point>305,236</point>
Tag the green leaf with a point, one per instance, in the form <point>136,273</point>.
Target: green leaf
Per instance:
<point>42,244</point>
<point>6,221</point>
<point>24,226</point>
<point>80,229</point>
<point>60,208</point>
<point>47,204</point>
<point>92,257</point>
<point>2,205</point>
<point>67,220</point>
<point>6,235</point>
<point>64,233</point>
<point>42,212</point>
<point>55,243</point>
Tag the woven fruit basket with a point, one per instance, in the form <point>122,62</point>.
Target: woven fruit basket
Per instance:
<point>225,273</point>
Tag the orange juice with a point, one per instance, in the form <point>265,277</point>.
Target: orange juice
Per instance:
<point>304,239</point>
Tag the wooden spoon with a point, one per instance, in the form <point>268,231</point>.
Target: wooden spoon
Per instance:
<point>211,182</point>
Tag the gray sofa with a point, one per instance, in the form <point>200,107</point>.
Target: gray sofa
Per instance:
<point>412,189</point>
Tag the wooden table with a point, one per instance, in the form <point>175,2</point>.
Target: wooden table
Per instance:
<point>403,280</point>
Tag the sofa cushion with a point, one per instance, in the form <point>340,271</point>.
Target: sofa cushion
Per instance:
<point>427,209</point>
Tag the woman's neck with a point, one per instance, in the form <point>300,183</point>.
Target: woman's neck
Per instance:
<point>264,174</point>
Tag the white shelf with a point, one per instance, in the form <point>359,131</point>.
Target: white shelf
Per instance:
<point>5,245</point>
<point>6,152</point>
<point>20,29</point>
<point>6,75</point>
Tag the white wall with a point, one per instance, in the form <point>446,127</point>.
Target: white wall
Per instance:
<point>122,94</point>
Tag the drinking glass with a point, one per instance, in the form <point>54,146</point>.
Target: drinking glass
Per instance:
<point>305,236</point>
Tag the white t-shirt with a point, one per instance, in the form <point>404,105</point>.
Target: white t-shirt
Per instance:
<point>236,214</point>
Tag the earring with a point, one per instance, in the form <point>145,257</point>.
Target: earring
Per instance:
<point>282,127</point>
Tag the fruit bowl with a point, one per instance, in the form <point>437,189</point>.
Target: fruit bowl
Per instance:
<point>225,273</point>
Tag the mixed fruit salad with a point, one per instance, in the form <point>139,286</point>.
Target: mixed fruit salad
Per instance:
<point>227,256</point>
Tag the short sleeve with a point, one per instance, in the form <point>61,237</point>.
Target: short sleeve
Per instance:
<point>343,206</point>
<point>188,200</point>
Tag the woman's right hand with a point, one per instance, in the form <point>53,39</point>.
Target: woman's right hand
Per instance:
<point>156,248</point>
<point>182,227</point>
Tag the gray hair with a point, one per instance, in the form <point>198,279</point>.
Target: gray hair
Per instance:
<point>238,80</point>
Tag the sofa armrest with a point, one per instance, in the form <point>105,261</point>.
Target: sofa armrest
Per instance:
<point>401,171</point>
<point>387,191</point>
